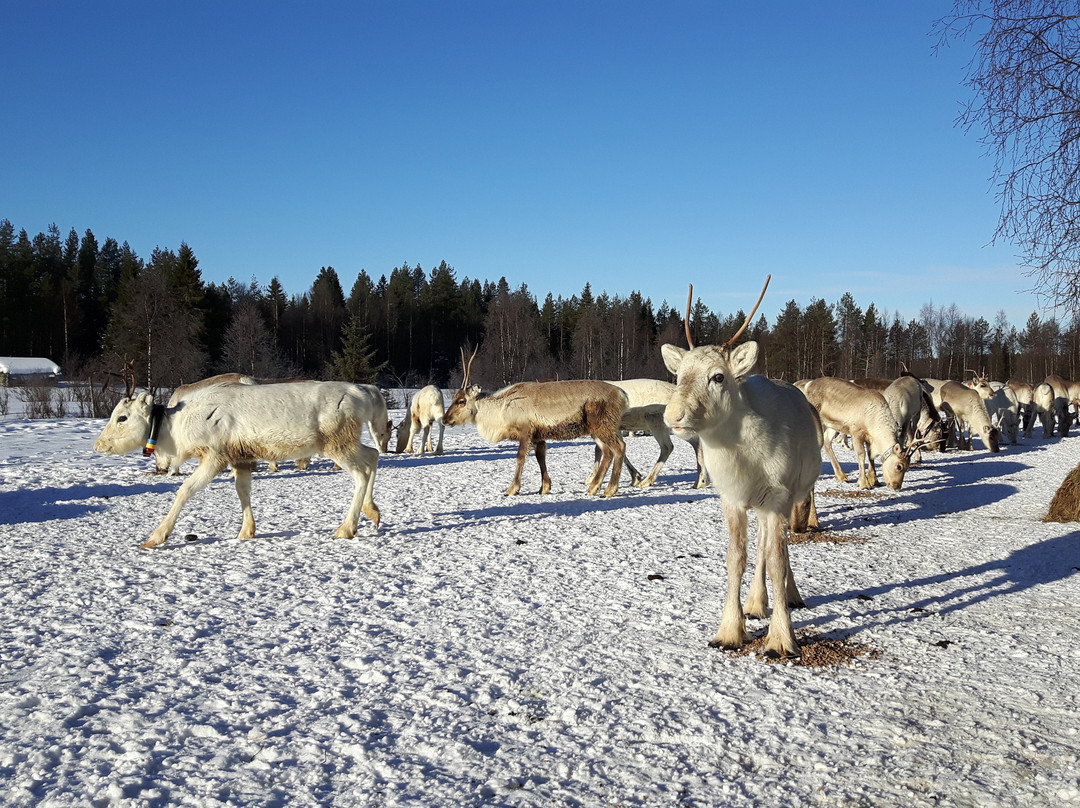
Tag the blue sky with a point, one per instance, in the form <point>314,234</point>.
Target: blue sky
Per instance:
<point>637,146</point>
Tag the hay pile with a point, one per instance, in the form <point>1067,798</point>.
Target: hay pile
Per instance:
<point>1065,506</point>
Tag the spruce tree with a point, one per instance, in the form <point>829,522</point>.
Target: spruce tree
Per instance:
<point>356,361</point>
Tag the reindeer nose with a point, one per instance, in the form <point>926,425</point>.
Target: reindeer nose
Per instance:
<point>674,414</point>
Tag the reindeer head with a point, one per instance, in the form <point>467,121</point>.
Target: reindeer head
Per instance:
<point>709,378</point>
<point>128,425</point>
<point>462,409</point>
<point>708,382</point>
<point>894,465</point>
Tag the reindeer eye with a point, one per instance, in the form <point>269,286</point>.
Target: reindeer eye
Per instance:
<point>121,419</point>
<point>717,378</point>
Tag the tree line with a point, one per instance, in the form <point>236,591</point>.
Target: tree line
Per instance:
<point>91,305</point>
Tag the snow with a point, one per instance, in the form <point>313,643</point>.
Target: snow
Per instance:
<point>479,650</point>
<point>28,366</point>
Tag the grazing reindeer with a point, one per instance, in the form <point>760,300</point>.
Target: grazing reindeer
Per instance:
<point>762,445</point>
<point>847,409</point>
<point>532,413</point>
<point>1002,405</point>
<point>426,409</point>
<point>908,399</point>
<point>968,408</point>
<point>235,424</point>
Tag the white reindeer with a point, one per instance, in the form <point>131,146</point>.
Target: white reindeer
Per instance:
<point>847,409</point>
<point>1024,392</point>
<point>968,408</point>
<point>532,413</point>
<point>426,409</point>
<point>909,400</point>
<point>1043,401</point>
<point>762,445</point>
<point>1003,407</point>
<point>236,424</point>
<point>162,460</point>
<point>647,399</point>
<point>1062,396</point>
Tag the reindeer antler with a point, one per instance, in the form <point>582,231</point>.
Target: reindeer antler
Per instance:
<point>127,374</point>
<point>467,369</point>
<point>686,319</point>
<point>746,322</point>
<point>750,316</point>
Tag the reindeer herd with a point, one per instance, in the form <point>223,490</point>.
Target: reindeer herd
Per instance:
<point>758,440</point>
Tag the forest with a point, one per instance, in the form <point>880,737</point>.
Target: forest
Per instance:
<point>91,305</point>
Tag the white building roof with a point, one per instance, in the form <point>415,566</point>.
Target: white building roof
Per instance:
<point>28,366</point>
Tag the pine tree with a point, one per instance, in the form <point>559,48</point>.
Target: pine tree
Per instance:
<point>356,361</point>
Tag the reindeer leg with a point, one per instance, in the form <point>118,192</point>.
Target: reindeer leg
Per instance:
<point>781,637</point>
<point>361,462</point>
<point>442,428</point>
<point>732,632</point>
<point>837,471</point>
<point>660,432</point>
<point>699,455</point>
<point>522,453</point>
<point>860,455</point>
<point>601,470</point>
<point>414,427</point>
<point>871,470</point>
<point>757,599</point>
<point>243,491</point>
<point>595,466</point>
<point>541,460</point>
<point>426,439</point>
<point>618,456</point>
<point>209,467</point>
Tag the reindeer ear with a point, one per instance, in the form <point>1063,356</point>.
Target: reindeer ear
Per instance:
<point>145,398</point>
<point>673,356</point>
<point>743,358</point>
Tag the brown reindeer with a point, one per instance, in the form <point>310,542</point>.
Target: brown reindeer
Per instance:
<point>532,413</point>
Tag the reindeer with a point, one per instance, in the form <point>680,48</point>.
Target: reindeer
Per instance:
<point>847,409</point>
<point>426,409</point>
<point>1024,392</point>
<point>379,429</point>
<point>909,401</point>
<point>1043,403</point>
<point>1062,396</point>
<point>162,461</point>
<point>235,424</point>
<point>532,413</point>
<point>647,399</point>
<point>1002,405</point>
<point>967,407</point>
<point>762,445</point>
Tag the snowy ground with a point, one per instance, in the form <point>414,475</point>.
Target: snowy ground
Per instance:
<point>532,651</point>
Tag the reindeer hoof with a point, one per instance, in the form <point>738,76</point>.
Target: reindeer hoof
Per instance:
<point>152,542</point>
<point>781,647</point>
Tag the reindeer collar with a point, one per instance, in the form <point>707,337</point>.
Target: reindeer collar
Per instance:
<point>157,414</point>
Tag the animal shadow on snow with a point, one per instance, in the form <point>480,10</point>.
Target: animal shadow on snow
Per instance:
<point>45,504</point>
<point>1036,564</point>
<point>527,507</point>
<point>959,482</point>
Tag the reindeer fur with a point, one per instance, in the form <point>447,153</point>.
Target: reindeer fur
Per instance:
<point>848,409</point>
<point>762,446</point>
<point>533,413</point>
<point>235,424</point>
